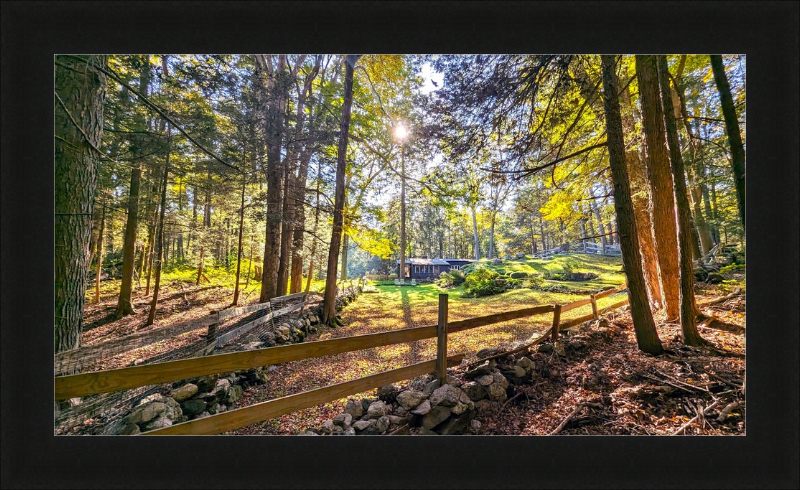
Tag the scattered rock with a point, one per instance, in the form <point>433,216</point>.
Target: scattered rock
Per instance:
<point>387,393</point>
<point>474,390</point>
<point>496,392</point>
<point>426,432</point>
<point>193,406</point>
<point>456,425</point>
<point>343,420</point>
<point>525,363</point>
<point>558,346</point>
<point>234,393</point>
<point>545,348</point>
<point>475,424</point>
<point>355,409</point>
<point>147,412</point>
<point>185,392</point>
<point>410,399</point>
<point>376,410</point>
<point>430,387</point>
<point>158,423</point>
<point>436,416</point>
<point>327,427</point>
<point>398,420</point>
<point>485,380</point>
<point>423,408</point>
<point>519,371</point>
<point>361,425</point>
<point>501,380</point>
<point>446,396</point>
<point>459,408</point>
<point>382,424</point>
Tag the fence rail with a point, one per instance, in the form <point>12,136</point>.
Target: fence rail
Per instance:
<point>132,377</point>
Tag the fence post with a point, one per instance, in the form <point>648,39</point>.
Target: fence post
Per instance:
<point>594,306</point>
<point>441,337</point>
<point>556,321</point>
<point>211,339</point>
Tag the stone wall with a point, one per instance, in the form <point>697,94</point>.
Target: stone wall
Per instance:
<point>425,407</point>
<point>200,397</point>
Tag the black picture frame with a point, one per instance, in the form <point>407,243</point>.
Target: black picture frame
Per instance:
<point>32,457</point>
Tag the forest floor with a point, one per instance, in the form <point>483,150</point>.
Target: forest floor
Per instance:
<point>628,392</point>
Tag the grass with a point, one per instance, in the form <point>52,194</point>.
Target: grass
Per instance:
<point>418,305</point>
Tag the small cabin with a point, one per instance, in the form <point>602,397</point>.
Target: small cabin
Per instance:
<point>422,268</point>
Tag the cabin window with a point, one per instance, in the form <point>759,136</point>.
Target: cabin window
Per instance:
<point>455,267</point>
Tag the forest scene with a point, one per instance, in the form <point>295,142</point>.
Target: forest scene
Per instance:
<point>400,244</point>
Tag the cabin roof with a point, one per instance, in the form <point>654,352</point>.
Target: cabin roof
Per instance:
<point>418,261</point>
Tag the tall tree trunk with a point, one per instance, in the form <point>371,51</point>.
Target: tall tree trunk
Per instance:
<point>125,305</point>
<point>476,241</point>
<point>345,246</point>
<point>646,335</point>
<point>152,213</point>
<point>160,239</point>
<point>78,106</point>
<point>688,308</point>
<point>99,254</point>
<point>316,228</point>
<point>287,226</point>
<point>239,248</point>
<point>491,236</point>
<point>699,224</point>
<point>276,108</point>
<point>329,300</point>
<point>658,170</point>
<point>541,230</point>
<point>732,128</point>
<point>641,207</point>
<point>603,237</point>
<point>302,176</point>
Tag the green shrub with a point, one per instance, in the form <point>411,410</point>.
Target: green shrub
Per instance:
<point>533,281</point>
<point>514,283</point>
<point>519,275</point>
<point>481,282</point>
<point>732,268</point>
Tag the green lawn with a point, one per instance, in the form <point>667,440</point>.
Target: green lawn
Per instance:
<point>423,298</point>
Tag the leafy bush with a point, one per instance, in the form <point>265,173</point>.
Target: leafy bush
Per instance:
<point>533,281</point>
<point>451,279</point>
<point>514,283</point>
<point>466,269</point>
<point>481,282</point>
<point>519,275</point>
<point>570,265</point>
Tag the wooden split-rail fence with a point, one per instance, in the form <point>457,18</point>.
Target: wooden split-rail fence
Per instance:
<point>131,377</point>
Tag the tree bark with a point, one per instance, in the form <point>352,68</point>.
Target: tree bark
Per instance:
<point>99,254</point>
<point>732,128</point>
<point>646,335</point>
<point>276,108</point>
<point>329,300</point>
<point>296,281</point>
<point>160,239</point>
<point>641,207</point>
<point>476,241</point>
<point>688,310</point>
<point>125,305</point>
<point>78,123</point>
<point>239,248</point>
<point>661,185</point>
